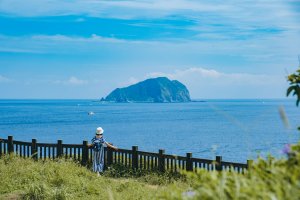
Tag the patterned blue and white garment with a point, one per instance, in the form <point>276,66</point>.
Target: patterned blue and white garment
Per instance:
<point>98,154</point>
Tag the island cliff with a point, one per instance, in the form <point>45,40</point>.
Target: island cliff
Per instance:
<point>159,90</point>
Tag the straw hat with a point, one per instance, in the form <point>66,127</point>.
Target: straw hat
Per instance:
<point>99,131</point>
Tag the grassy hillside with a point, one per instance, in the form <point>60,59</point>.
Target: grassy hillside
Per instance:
<point>24,178</point>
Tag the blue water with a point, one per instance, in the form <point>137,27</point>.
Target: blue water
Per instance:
<point>235,129</point>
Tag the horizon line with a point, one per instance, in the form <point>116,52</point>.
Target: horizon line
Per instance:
<point>193,99</point>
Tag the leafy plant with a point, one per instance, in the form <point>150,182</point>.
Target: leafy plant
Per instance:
<point>266,179</point>
<point>294,80</point>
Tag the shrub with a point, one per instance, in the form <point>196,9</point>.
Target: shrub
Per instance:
<point>154,177</point>
<point>267,179</point>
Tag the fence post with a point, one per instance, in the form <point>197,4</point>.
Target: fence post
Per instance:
<point>59,148</point>
<point>34,153</point>
<point>10,144</point>
<point>109,156</point>
<point>1,147</point>
<point>161,160</point>
<point>189,163</point>
<point>249,164</point>
<point>219,163</point>
<point>85,154</point>
<point>135,161</point>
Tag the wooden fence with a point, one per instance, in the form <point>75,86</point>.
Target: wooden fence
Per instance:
<point>133,158</point>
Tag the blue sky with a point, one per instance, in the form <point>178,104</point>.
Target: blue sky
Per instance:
<point>86,48</point>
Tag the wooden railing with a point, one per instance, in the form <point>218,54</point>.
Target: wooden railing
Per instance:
<point>133,158</point>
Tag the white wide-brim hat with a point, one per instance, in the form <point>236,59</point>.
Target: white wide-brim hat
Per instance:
<point>99,130</point>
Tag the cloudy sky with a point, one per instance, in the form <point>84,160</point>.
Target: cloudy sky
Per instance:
<point>86,48</point>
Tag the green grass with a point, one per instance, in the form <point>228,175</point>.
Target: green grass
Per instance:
<point>25,179</point>
<point>269,179</point>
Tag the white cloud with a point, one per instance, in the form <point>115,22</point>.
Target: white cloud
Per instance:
<point>75,81</point>
<point>274,45</point>
<point>240,14</point>
<point>234,9</point>
<point>18,50</point>
<point>168,5</point>
<point>210,83</point>
<point>238,19</point>
<point>120,9</point>
<point>272,53</point>
<point>4,79</point>
<point>64,38</point>
<point>132,80</point>
<point>71,81</point>
<point>199,74</point>
<point>202,72</point>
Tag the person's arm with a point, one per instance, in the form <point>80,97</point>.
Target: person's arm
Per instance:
<point>111,146</point>
<point>92,143</point>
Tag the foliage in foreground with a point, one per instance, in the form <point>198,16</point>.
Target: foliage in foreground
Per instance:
<point>268,179</point>
<point>294,80</point>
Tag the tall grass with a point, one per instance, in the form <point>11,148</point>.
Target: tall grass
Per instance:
<point>65,180</point>
<point>153,177</point>
<point>270,179</point>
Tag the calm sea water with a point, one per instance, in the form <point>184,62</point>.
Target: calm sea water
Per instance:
<point>235,129</point>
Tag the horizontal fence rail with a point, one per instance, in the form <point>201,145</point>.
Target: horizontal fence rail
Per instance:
<point>133,159</point>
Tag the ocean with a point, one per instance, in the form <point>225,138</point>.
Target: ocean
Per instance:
<point>237,130</point>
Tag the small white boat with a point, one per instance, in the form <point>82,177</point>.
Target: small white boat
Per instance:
<point>91,113</point>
